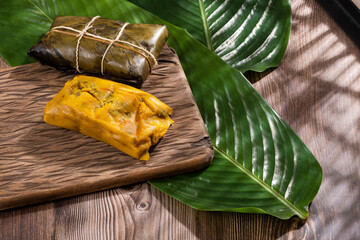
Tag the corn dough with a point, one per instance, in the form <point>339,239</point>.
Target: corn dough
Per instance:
<point>127,118</point>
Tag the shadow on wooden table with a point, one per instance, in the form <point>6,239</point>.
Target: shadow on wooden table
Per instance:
<point>254,77</point>
<point>316,90</point>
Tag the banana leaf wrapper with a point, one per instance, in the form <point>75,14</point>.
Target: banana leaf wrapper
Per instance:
<point>122,61</point>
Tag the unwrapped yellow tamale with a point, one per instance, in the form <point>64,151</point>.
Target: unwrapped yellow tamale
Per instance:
<point>127,118</point>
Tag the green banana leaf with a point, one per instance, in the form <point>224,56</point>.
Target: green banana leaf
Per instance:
<point>247,34</point>
<point>260,164</point>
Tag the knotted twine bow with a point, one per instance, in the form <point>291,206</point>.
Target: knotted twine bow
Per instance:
<point>111,42</point>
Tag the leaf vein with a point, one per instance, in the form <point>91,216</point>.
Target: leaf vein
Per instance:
<point>40,10</point>
<point>261,183</point>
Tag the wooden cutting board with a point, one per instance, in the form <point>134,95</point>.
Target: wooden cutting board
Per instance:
<point>40,162</point>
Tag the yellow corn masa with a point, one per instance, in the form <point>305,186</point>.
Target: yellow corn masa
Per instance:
<point>127,118</point>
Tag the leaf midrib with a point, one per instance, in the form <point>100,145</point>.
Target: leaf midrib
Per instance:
<point>40,10</point>
<point>206,26</point>
<point>261,183</point>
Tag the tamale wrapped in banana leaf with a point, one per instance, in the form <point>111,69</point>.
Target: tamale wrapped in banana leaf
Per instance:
<point>125,117</point>
<point>101,46</point>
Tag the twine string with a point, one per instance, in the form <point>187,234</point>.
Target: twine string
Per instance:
<point>80,35</point>
<point>111,42</point>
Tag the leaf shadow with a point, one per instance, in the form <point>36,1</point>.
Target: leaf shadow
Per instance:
<point>254,77</point>
<point>316,89</point>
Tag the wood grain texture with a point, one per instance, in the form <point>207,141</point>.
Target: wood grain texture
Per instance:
<point>40,162</point>
<point>316,90</point>
<point>3,64</point>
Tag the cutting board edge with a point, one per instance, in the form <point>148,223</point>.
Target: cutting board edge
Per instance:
<point>25,200</point>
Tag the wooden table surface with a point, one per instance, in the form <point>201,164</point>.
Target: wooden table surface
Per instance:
<point>316,90</point>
